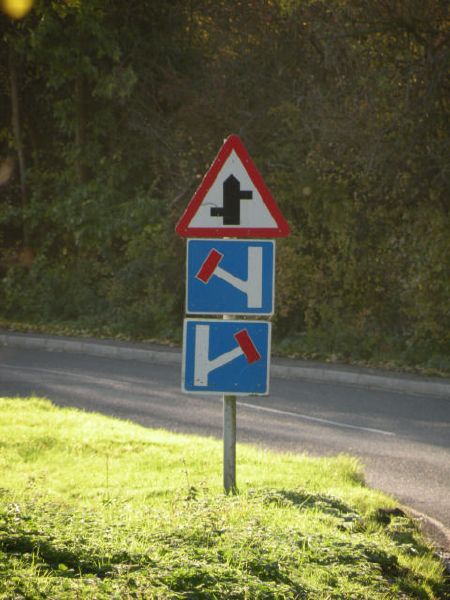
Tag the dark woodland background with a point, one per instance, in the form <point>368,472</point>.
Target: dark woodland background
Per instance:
<point>112,111</point>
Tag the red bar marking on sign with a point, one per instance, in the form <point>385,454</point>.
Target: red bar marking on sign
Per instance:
<point>247,346</point>
<point>209,266</point>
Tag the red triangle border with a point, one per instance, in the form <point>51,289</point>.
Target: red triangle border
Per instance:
<point>183,229</point>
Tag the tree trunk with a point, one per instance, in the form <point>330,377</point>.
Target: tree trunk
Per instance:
<point>17,134</point>
<point>80,127</point>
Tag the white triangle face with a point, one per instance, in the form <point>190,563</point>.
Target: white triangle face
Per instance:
<point>253,211</point>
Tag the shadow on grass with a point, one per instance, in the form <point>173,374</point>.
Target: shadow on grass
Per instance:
<point>302,499</point>
<point>66,562</point>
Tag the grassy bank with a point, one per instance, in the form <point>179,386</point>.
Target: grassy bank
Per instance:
<point>94,507</point>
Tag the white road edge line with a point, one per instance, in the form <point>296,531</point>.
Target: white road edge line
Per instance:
<point>244,404</point>
<point>314,419</point>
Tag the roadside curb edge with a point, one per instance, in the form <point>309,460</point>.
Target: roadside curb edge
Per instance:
<point>434,530</point>
<point>295,371</point>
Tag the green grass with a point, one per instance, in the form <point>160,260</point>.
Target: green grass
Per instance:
<point>94,507</point>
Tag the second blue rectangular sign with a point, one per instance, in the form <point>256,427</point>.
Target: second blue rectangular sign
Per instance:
<point>226,357</point>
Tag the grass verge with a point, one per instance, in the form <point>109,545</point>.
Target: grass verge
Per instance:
<point>95,507</point>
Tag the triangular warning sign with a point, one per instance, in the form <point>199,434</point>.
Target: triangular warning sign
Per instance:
<point>232,200</point>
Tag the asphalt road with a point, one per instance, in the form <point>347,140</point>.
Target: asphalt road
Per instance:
<point>402,439</point>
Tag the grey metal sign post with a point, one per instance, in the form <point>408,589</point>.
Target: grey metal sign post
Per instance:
<point>229,444</point>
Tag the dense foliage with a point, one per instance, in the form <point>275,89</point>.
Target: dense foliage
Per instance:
<point>110,113</point>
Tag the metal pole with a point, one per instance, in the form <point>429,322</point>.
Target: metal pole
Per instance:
<point>229,439</point>
<point>229,444</point>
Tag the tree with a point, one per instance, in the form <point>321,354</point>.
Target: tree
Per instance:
<point>120,108</point>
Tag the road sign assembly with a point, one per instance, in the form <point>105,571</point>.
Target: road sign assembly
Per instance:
<point>227,277</point>
<point>233,277</point>
<point>226,357</point>
<point>232,200</point>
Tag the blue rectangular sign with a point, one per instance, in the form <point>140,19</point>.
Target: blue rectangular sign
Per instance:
<point>233,277</point>
<point>226,357</point>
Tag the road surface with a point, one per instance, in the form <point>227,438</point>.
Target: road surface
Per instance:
<point>402,439</point>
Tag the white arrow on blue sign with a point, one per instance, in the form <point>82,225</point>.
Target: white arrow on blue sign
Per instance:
<point>226,357</point>
<point>230,277</point>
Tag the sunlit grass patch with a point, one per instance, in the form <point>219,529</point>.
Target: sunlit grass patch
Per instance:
<point>97,507</point>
